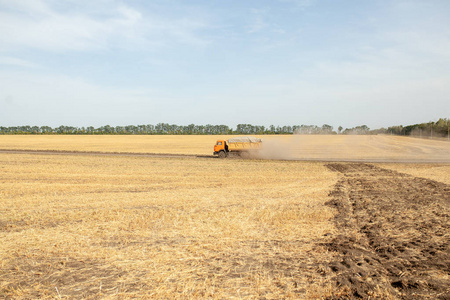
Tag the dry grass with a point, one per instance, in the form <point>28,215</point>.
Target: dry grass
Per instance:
<point>335,147</point>
<point>183,144</point>
<point>437,172</point>
<point>146,227</point>
<point>127,227</point>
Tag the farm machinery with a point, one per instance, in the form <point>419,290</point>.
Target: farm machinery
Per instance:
<point>238,146</point>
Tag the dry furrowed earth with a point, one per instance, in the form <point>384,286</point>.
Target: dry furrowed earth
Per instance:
<point>90,226</point>
<point>393,233</point>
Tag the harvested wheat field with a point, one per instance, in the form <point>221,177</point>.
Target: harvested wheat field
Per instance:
<point>380,148</point>
<point>125,226</point>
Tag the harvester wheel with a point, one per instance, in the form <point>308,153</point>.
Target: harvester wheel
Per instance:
<point>222,154</point>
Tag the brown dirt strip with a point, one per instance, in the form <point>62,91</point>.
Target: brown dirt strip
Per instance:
<point>64,152</point>
<point>170,155</point>
<point>394,237</point>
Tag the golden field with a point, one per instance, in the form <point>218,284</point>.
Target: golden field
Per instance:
<point>315,147</point>
<point>146,227</point>
<point>161,227</point>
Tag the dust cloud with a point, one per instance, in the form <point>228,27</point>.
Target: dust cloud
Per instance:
<point>367,148</point>
<point>277,148</point>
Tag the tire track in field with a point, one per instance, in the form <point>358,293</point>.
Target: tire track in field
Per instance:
<point>98,153</point>
<point>394,236</point>
<point>192,156</point>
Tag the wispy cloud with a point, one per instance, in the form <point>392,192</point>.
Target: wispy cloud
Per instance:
<point>43,25</point>
<point>35,24</point>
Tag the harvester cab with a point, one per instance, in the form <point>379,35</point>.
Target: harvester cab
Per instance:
<point>221,148</point>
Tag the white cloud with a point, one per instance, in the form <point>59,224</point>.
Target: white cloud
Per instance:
<point>42,25</point>
<point>39,26</point>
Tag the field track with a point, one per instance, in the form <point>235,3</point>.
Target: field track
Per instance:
<point>62,152</point>
<point>174,155</point>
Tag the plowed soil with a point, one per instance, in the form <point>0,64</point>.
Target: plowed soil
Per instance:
<point>394,234</point>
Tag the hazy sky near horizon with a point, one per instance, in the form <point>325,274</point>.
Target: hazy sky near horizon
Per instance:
<point>282,62</point>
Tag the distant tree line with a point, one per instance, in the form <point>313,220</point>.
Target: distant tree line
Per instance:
<point>363,129</point>
<point>171,129</point>
<point>439,128</point>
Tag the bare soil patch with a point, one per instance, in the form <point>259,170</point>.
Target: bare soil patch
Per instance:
<point>40,275</point>
<point>394,234</point>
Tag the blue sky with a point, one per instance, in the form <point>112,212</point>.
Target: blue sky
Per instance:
<point>285,62</point>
